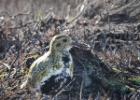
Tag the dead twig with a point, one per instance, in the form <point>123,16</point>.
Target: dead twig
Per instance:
<point>81,88</point>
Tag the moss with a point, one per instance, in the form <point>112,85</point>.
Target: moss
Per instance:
<point>119,87</point>
<point>135,80</point>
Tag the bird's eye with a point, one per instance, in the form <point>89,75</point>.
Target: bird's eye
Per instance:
<point>58,44</point>
<point>64,40</point>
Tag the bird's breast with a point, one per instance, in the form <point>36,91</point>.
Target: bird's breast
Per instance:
<point>55,82</point>
<point>58,78</point>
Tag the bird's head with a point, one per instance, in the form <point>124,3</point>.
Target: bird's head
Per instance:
<point>60,43</point>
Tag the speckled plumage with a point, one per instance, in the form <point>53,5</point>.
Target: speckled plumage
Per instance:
<point>50,72</point>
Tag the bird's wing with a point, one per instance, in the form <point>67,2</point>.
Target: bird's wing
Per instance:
<point>35,71</point>
<point>30,78</point>
<point>39,66</point>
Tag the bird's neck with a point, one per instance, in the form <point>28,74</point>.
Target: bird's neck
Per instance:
<point>54,58</point>
<point>58,57</point>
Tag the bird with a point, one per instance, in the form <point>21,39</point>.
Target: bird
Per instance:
<point>54,69</point>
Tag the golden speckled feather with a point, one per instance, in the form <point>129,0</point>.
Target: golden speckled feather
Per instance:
<point>55,62</point>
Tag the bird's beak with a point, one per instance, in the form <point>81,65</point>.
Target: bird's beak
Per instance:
<point>80,45</point>
<point>73,43</point>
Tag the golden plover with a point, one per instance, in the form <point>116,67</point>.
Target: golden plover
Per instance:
<point>52,71</point>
